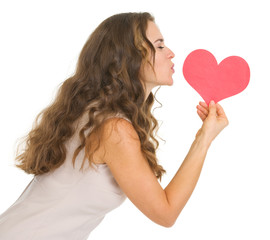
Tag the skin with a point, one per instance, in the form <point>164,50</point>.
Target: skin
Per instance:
<point>120,149</point>
<point>163,61</point>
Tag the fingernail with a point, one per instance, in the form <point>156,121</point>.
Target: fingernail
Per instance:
<point>212,102</point>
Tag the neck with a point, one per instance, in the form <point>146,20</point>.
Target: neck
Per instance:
<point>148,90</point>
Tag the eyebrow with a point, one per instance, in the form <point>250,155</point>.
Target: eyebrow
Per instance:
<point>159,40</point>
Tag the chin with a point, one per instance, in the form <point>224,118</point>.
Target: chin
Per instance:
<point>169,82</point>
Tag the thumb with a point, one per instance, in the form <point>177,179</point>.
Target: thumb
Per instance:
<point>212,108</point>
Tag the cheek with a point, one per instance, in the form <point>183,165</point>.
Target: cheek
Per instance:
<point>161,68</point>
<point>158,65</point>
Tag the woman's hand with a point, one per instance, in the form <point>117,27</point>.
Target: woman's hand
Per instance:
<point>214,120</point>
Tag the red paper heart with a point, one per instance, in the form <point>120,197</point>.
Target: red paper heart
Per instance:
<point>215,81</point>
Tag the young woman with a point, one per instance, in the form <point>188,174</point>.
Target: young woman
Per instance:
<point>95,145</point>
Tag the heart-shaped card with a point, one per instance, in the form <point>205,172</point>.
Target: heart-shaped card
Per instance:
<point>215,81</point>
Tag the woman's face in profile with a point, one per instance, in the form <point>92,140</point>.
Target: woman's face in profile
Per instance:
<point>163,59</point>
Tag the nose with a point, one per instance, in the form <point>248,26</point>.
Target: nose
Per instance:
<point>170,53</point>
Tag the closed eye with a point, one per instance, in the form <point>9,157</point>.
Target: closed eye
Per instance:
<point>160,47</point>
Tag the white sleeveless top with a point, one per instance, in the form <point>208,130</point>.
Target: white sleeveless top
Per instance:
<point>63,204</point>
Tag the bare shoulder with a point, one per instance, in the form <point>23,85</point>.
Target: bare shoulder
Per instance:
<point>119,141</point>
<point>116,137</point>
<point>119,131</point>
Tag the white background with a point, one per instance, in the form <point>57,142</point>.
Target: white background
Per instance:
<point>39,45</point>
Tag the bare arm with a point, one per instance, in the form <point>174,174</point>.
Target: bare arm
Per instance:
<point>120,149</point>
<point>182,185</point>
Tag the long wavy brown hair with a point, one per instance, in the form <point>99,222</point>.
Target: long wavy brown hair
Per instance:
<point>107,81</point>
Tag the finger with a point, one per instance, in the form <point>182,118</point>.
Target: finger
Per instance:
<point>204,104</point>
<point>212,109</point>
<point>201,115</point>
<point>220,111</point>
<point>203,109</point>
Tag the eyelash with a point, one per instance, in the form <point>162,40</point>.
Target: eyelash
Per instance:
<point>160,47</point>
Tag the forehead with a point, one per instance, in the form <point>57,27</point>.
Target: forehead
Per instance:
<point>152,32</point>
